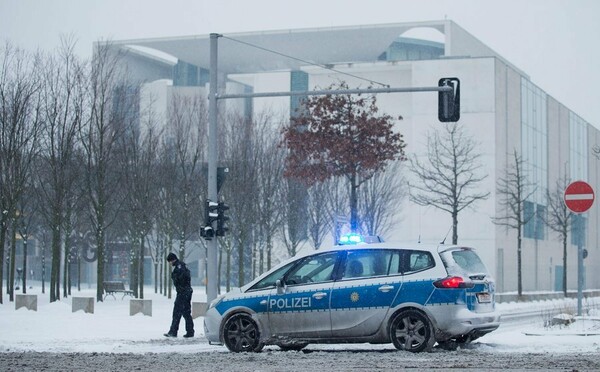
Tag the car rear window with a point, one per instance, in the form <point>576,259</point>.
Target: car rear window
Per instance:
<point>463,261</point>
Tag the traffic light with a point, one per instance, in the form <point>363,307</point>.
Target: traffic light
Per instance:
<point>211,215</point>
<point>221,219</point>
<point>449,101</point>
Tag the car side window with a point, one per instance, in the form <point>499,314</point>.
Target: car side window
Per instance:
<point>313,269</point>
<point>269,280</point>
<point>367,263</point>
<point>418,261</point>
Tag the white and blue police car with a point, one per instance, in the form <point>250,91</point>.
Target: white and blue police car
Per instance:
<point>411,296</point>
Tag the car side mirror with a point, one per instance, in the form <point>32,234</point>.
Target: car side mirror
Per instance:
<point>280,286</point>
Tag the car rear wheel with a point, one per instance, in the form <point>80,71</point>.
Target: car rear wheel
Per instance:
<point>410,331</point>
<point>240,333</point>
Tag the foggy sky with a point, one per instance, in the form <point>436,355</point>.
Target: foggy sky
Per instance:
<point>554,41</point>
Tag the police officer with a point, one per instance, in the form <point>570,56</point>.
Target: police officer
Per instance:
<point>183,301</point>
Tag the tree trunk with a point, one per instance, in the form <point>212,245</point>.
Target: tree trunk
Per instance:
<point>100,271</point>
<point>156,277</point>
<point>240,263</point>
<point>66,279</point>
<point>24,264</point>
<point>55,268</point>
<point>2,241</point>
<point>228,271</point>
<point>219,270</point>
<point>13,258</point>
<point>353,204</point>
<point>141,263</point>
<point>455,227</point>
<point>135,271</point>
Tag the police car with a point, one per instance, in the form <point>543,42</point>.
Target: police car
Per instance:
<point>411,296</point>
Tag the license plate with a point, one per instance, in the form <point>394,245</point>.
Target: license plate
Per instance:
<point>484,297</point>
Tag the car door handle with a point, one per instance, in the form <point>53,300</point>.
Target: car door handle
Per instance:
<point>319,295</point>
<point>263,302</point>
<point>386,288</point>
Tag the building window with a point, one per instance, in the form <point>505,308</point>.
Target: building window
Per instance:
<point>534,147</point>
<point>298,82</point>
<point>578,148</point>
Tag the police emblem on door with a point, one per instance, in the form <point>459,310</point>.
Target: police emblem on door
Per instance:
<point>354,296</point>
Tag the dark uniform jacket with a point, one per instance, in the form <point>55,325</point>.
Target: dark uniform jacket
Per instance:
<point>181,277</point>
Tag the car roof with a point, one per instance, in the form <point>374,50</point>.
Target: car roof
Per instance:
<point>396,245</point>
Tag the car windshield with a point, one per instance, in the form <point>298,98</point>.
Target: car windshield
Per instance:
<point>463,262</point>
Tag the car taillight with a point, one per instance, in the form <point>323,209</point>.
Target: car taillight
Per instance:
<point>453,282</point>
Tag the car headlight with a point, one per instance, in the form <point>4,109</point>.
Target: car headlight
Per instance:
<point>216,301</point>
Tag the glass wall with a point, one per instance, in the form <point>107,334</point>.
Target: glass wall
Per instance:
<point>578,167</point>
<point>534,149</point>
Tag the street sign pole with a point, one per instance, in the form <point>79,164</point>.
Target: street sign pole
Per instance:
<point>579,197</point>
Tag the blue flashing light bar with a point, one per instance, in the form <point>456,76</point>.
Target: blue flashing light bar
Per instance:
<point>351,239</point>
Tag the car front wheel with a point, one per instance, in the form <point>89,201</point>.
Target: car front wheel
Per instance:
<point>410,331</point>
<point>240,333</point>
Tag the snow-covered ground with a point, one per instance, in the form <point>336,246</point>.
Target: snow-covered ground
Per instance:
<point>55,328</point>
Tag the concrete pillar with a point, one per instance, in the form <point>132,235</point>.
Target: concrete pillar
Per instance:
<point>83,303</point>
<point>27,301</point>
<point>199,309</point>
<point>140,306</point>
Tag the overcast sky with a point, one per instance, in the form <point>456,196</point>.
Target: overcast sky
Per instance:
<point>556,42</point>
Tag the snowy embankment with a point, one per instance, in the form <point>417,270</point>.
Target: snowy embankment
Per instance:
<point>55,328</point>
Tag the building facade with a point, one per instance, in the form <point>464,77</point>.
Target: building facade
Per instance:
<point>501,108</point>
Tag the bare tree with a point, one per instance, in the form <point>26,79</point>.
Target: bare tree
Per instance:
<point>320,219</point>
<point>110,107</point>
<point>380,195</point>
<point>513,190</point>
<point>63,94</point>
<point>559,219</point>
<point>140,163</point>
<point>19,130</point>
<point>449,177</point>
<point>188,119</point>
<point>239,152</point>
<point>270,164</point>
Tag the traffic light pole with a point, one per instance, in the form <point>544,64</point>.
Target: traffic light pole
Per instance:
<point>211,245</point>
<point>446,85</point>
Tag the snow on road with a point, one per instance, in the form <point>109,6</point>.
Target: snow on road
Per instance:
<point>55,328</point>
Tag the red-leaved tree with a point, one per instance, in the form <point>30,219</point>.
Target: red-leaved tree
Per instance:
<point>341,135</point>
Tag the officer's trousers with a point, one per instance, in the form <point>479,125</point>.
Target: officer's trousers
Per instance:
<point>182,307</point>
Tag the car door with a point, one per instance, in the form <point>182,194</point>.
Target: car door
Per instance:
<point>299,306</point>
<point>361,299</point>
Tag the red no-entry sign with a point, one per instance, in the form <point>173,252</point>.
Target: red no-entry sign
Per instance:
<point>579,196</point>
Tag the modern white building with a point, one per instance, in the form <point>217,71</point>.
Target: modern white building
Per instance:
<point>500,107</point>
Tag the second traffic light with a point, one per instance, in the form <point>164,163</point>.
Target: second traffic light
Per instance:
<point>210,216</point>
<point>222,219</point>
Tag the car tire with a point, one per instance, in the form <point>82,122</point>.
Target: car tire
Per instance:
<point>410,330</point>
<point>241,334</point>
<point>292,347</point>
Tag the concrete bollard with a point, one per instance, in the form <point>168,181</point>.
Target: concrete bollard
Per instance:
<point>27,301</point>
<point>140,306</point>
<point>199,309</point>
<point>83,303</point>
